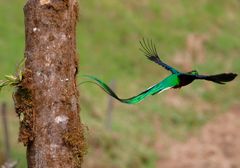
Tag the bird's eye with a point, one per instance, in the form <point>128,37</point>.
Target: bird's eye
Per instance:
<point>194,72</point>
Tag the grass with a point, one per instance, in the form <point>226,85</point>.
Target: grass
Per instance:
<point>108,35</point>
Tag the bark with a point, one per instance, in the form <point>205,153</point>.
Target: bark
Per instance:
<point>47,98</point>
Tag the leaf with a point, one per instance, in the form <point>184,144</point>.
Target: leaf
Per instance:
<point>3,84</point>
<point>11,77</point>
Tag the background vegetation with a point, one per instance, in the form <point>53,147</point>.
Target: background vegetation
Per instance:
<point>108,35</point>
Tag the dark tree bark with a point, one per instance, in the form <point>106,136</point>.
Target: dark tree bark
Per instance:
<point>47,98</point>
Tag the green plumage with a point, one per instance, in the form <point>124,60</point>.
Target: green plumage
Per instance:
<point>167,83</point>
<point>176,80</point>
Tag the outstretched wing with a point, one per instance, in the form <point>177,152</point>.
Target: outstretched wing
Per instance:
<point>150,51</point>
<point>218,78</point>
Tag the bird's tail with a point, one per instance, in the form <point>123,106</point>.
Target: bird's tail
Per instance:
<point>109,91</point>
<point>221,78</point>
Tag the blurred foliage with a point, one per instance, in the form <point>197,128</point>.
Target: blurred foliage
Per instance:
<point>108,35</point>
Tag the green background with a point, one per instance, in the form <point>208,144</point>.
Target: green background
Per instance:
<point>107,35</point>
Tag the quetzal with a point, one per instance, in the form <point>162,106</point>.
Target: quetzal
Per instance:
<point>176,80</point>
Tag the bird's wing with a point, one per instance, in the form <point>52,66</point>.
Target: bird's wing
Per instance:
<point>150,51</point>
<point>218,78</point>
<point>167,83</point>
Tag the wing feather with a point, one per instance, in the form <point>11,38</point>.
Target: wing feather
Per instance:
<point>218,78</point>
<point>150,51</point>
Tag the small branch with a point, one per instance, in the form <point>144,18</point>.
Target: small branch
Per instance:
<point>5,131</point>
<point>110,109</point>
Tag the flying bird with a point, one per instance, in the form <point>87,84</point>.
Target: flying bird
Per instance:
<point>177,79</point>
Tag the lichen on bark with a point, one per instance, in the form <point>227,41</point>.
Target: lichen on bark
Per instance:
<point>25,109</point>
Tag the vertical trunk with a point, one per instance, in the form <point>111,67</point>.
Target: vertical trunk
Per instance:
<point>47,98</point>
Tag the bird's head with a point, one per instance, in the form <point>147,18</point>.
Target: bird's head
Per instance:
<point>193,72</point>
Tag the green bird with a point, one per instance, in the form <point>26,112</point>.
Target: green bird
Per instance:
<point>176,80</point>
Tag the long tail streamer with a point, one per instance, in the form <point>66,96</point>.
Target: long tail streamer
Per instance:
<point>165,84</point>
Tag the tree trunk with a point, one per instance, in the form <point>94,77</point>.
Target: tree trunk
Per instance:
<point>47,98</point>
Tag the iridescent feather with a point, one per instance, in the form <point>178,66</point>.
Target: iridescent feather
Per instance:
<point>176,80</point>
